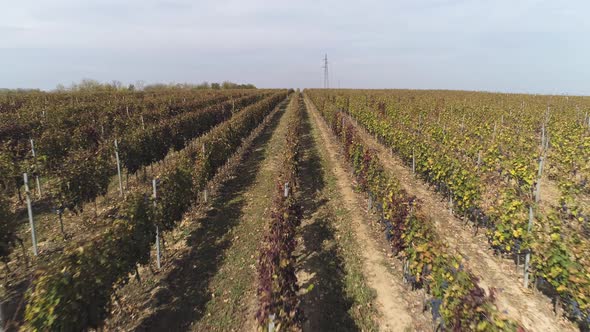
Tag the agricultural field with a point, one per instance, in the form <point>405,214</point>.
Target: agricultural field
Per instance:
<point>288,210</point>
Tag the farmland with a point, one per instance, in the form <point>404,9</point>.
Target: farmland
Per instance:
<point>284,210</point>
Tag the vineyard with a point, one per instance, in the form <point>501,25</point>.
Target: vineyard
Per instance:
<point>281,210</point>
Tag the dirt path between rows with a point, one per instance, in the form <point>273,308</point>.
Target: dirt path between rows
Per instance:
<point>395,315</point>
<point>533,309</point>
<point>334,292</point>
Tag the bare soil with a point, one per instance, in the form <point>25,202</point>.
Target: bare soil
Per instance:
<point>396,312</point>
<point>334,292</point>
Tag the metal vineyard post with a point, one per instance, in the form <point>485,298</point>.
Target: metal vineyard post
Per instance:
<point>30,211</point>
<point>158,257</point>
<point>118,168</point>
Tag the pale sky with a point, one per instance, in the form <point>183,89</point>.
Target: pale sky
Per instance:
<point>496,45</point>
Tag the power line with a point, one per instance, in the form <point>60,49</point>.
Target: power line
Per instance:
<point>326,76</point>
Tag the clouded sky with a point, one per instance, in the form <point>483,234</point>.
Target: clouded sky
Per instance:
<point>500,45</point>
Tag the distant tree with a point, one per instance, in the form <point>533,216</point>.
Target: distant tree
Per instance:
<point>87,85</point>
<point>90,85</point>
<point>229,85</point>
<point>204,85</point>
<point>117,85</point>
<point>154,87</point>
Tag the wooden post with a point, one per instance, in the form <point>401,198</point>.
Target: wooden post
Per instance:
<point>463,123</point>
<point>119,169</point>
<point>30,211</point>
<point>450,202</point>
<point>530,225</point>
<point>494,136</point>
<point>538,186</point>
<point>158,259</point>
<point>61,222</point>
<point>543,137</point>
<point>36,176</point>
<point>413,161</point>
<point>271,323</point>
<point>527,258</point>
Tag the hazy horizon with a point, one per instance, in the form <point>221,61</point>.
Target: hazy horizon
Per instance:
<point>504,46</point>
